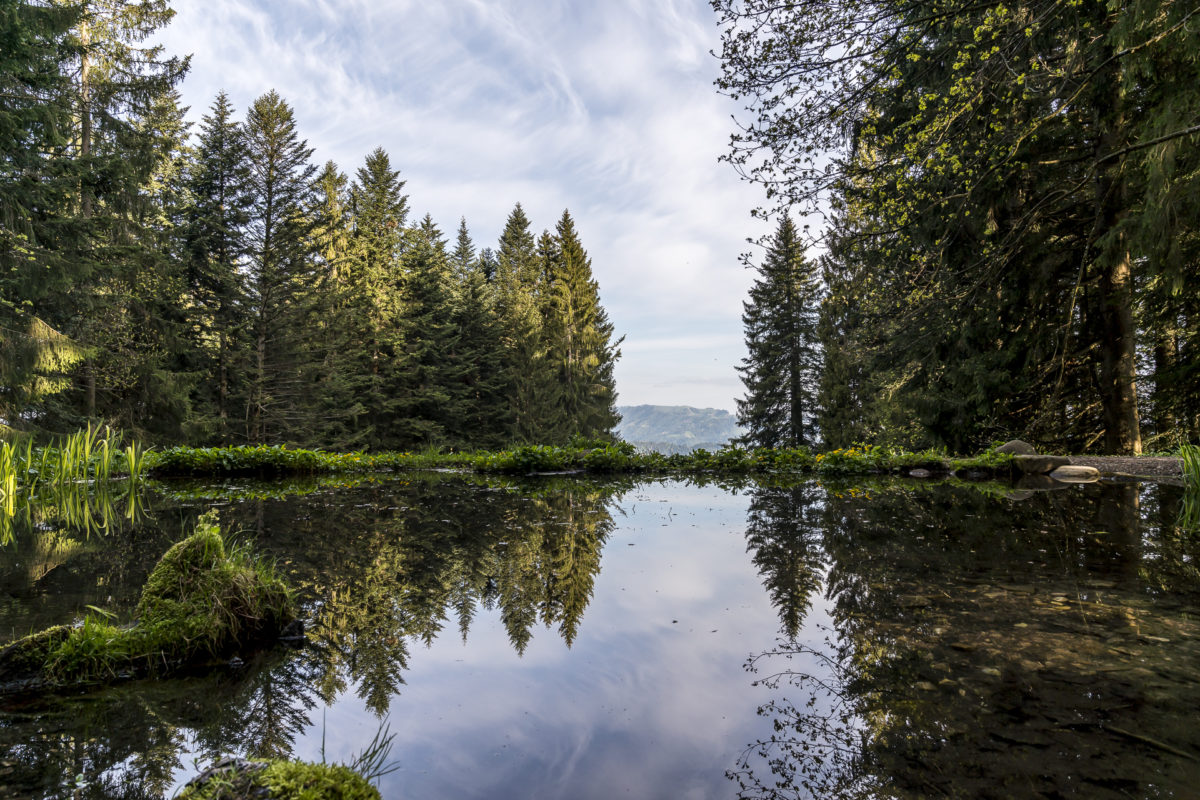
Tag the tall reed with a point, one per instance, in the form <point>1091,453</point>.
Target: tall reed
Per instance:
<point>1190,454</point>
<point>1189,512</point>
<point>65,473</point>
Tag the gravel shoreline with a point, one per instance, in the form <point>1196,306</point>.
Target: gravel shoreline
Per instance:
<point>1138,466</point>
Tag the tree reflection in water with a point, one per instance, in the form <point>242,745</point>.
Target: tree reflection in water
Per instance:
<point>986,647</point>
<point>380,569</point>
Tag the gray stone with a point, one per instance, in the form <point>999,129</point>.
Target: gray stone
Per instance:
<point>1017,448</point>
<point>1040,465</point>
<point>919,473</point>
<point>1076,474</point>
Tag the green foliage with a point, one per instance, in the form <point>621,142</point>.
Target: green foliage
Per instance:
<point>1011,192</point>
<point>580,454</point>
<point>284,780</point>
<point>1189,515</point>
<point>782,365</point>
<point>92,455</point>
<point>1190,454</point>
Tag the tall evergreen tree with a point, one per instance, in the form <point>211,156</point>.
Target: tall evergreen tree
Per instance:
<point>424,387</point>
<point>462,258</point>
<point>119,80</point>
<point>481,407</point>
<point>517,277</point>
<point>281,270</point>
<point>378,212</point>
<point>38,234</point>
<point>580,348</point>
<point>782,364</point>
<point>339,411</point>
<point>217,248</point>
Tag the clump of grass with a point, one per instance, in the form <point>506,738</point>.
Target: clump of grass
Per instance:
<point>290,779</point>
<point>93,455</point>
<point>202,599</point>
<point>1190,454</point>
<point>1189,514</point>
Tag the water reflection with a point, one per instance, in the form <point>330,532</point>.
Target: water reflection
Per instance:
<point>127,741</point>
<point>933,640</point>
<point>1045,647</point>
<point>380,576</point>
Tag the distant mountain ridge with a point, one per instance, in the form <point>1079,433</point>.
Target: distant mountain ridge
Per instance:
<point>683,428</point>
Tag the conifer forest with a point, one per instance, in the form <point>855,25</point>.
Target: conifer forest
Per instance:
<point>1009,203</point>
<point>216,284</point>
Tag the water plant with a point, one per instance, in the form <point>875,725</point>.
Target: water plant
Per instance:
<point>1190,454</point>
<point>1189,513</point>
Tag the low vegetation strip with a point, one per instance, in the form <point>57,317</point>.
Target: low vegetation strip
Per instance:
<point>594,457</point>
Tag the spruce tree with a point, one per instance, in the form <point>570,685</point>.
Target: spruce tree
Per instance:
<point>39,234</point>
<point>378,213</point>
<point>220,188</point>
<point>339,412</point>
<point>462,258</point>
<point>579,337</point>
<point>424,390</point>
<point>118,82</point>
<point>525,373</point>
<point>481,407</point>
<point>281,271</point>
<point>782,364</point>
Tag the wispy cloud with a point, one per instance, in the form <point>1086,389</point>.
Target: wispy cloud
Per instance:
<point>607,109</point>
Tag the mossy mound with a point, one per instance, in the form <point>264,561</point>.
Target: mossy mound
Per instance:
<point>200,601</point>
<point>240,779</point>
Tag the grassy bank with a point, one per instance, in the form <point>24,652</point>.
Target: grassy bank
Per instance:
<point>596,457</point>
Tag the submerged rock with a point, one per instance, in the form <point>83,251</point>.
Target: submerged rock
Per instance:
<point>199,602</point>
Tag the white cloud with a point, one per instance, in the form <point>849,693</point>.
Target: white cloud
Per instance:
<point>607,109</point>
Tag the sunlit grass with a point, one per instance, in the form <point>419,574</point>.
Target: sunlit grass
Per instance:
<point>1189,512</point>
<point>80,477</point>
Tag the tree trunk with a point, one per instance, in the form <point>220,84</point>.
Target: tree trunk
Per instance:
<point>1164,363</point>
<point>1117,342</point>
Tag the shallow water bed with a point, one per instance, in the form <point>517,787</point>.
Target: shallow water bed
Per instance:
<point>562,637</point>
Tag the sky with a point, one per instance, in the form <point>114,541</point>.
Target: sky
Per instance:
<point>607,109</point>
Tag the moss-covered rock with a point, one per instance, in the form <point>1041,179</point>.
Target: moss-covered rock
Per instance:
<point>242,779</point>
<point>200,601</point>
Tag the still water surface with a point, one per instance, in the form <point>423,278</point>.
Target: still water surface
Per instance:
<point>566,638</point>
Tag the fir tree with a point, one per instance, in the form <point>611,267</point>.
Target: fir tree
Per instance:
<point>282,276</point>
<point>781,368</point>
<point>579,337</point>
<point>427,376</point>
<point>118,82</point>
<point>480,404</point>
<point>462,258</point>
<point>217,247</point>
<point>378,212</point>
<point>337,335</point>
<point>38,232</point>
<point>525,375</point>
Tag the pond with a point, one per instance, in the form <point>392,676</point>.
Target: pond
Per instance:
<point>562,637</point>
